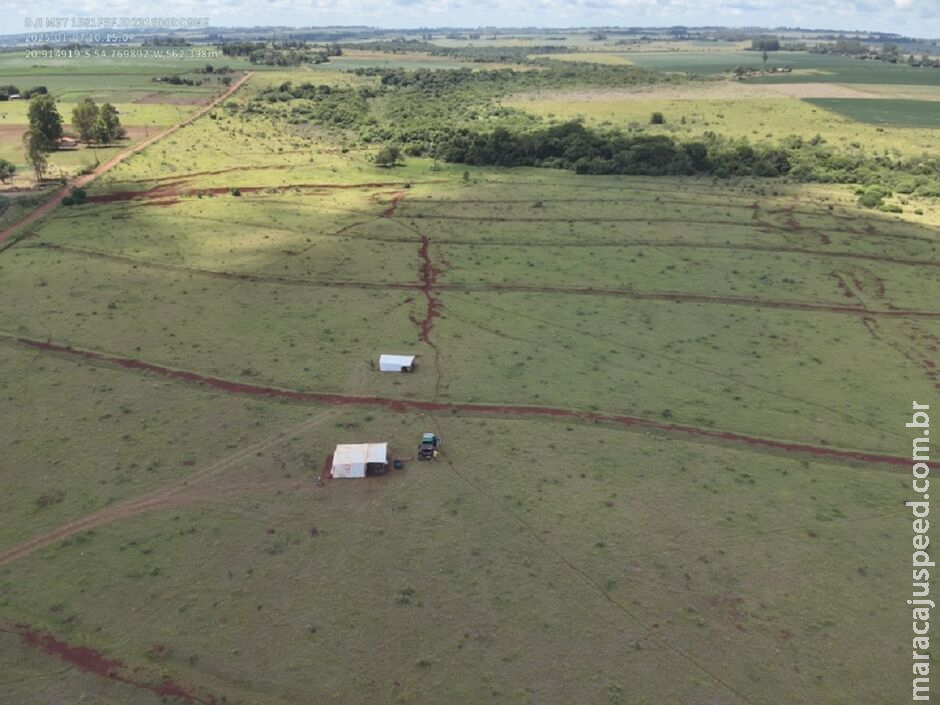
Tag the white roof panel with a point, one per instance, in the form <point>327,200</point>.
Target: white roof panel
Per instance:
<point>358,453</point>
<point>397,360</point>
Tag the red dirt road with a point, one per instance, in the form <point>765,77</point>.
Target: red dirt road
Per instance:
<point>57,197</point>
<point>94,662</point>
<point>496,409</point>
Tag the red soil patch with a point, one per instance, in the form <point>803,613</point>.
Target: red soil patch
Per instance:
<point>94,662</point>
<point>428,274</point>
<point>434,406</point>
<point>396,199</point>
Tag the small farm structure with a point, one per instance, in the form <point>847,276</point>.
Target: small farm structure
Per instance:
<point>359,460</point>
<point>396,363</point>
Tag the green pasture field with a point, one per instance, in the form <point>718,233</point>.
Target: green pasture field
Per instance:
<point>178,527</point>
<point>905,113</point>
<point>807,68</point>
<point>756,118</point>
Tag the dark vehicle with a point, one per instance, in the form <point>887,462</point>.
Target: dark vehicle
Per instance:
<point>428,448</point>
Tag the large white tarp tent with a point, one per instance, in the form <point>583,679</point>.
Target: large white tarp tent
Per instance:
<point>396,363</point>
<point>351,460</point>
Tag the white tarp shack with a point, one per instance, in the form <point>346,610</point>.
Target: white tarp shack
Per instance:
<point>396,363</point>
<point>358,459</point>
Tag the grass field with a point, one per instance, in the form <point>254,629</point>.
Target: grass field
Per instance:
<point>674,458</point>
<point>757,118</point>
<point>908,113</point>
<point>807,68</point>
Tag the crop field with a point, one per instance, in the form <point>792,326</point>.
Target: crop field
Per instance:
<point>674,457</point>
<point>807,68</point>
<point>907,113</point>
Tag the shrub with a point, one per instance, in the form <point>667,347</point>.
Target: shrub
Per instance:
<point>872,197</point>
<point>388,156</point>
<point>657,119</point>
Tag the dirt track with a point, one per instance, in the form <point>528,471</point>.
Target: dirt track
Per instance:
<point>90,661</point>
<point>434,406</point>
<point>173,189</point>
<point>428,274</point>
<point>61,193</point>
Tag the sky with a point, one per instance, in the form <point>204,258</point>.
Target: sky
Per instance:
<point>919,18</point>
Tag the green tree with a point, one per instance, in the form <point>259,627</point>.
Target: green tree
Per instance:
<point>37,152</point>
<point>108,127</point>
<point>388,156</point>
<point>45,123</point>
<point>7,169</point>
<point>85,119</point>
<point>766,56</point>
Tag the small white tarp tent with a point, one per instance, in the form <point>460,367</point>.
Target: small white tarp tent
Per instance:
<point>396,363</point>
<point>351,460</point>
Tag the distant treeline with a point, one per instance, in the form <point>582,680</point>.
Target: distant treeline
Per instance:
<point>11,90</point>
<point>888,52</point>
<point>552,75</point>
<point>488,54</point>
<point>290,53</point>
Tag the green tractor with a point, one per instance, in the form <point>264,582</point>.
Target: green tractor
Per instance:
<point>427,450</point>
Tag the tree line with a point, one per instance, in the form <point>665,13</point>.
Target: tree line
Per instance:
<point>93,123</point>
<point>287,53</point>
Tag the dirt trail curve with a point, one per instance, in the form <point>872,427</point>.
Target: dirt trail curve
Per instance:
<point>57,197</point>
<point>401,405</point>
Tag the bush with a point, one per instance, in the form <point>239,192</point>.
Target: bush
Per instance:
<point>657,119</point>
<point>872,197</point>
<point>388,156</point>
